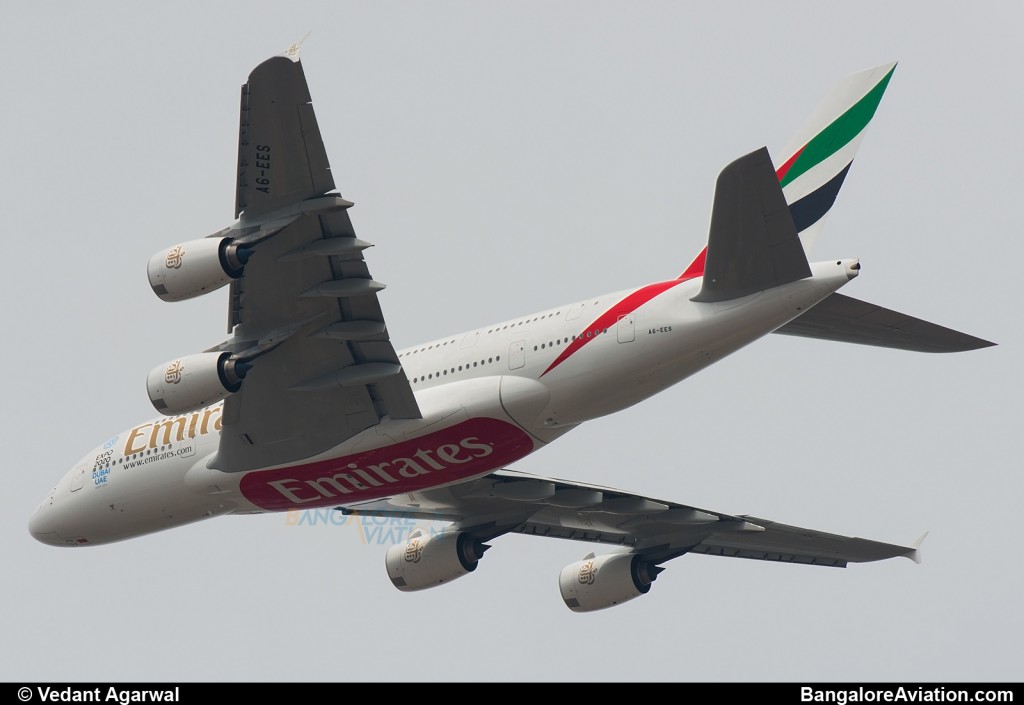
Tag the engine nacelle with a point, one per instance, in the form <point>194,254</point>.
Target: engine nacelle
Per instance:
<point>196,267</point>
<point>427,561</point>
<point>194,381</point>
<point>605,581</point>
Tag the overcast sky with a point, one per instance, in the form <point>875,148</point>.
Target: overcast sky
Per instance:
<point>505,158</point>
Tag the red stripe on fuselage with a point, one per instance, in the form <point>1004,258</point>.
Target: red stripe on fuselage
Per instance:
<point>610,318</point>
<point>696,268</point>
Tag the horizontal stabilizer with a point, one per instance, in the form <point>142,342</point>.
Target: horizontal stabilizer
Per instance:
<point>847,320</point>
<point>753,244</point>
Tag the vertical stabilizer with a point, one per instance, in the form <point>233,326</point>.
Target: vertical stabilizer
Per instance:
<point>817,159</point>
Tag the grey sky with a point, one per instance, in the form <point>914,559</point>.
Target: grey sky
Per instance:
<point>508,157</point>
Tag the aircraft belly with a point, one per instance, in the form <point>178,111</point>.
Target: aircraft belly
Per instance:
<point>468,449</point>
<point>469,428</point>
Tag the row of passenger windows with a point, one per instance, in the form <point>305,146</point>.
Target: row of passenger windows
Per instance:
<point>528,320</point>
<point>491,330</point>
<point>454,370</point>
<point>133,456</point>
<point>562,341</point>
<point>428,347</point>
<point>542,346</point>
<point>490,360</point>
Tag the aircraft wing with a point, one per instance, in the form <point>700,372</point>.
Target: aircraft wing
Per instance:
<point>305,310</point>
<point>509,501</point>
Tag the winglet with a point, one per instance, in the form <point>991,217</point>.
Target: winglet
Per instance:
<point>915,552</point>
<point>292,52</point>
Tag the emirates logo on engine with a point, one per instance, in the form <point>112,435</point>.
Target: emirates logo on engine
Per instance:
<point>414,550</point>
<point>174,257</point>
<point>172,375</point>
<point>587,573</point>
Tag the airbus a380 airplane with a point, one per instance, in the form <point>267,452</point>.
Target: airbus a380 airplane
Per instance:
<point>308,405</point>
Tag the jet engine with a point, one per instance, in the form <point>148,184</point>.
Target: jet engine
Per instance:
<point>605,581</point>
<point>195,381</point>
<point>196,267</point>
<point>425,561</point>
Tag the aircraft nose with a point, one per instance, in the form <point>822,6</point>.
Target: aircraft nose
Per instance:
<point>42,528</point>
<point>49,524</point>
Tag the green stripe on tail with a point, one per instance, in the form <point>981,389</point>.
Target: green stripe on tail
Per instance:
<point>838,133</point>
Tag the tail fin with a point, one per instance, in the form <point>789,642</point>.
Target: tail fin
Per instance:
<point>819,156</point>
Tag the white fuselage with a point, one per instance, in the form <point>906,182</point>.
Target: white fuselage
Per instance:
<point>488,398</point>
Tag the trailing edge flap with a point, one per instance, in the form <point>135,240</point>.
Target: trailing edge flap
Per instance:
<point>847,320</point>
<point>753,244</point>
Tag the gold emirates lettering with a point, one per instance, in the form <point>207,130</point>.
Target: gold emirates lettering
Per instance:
<point>351,478</point>
<point>152,435</point>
